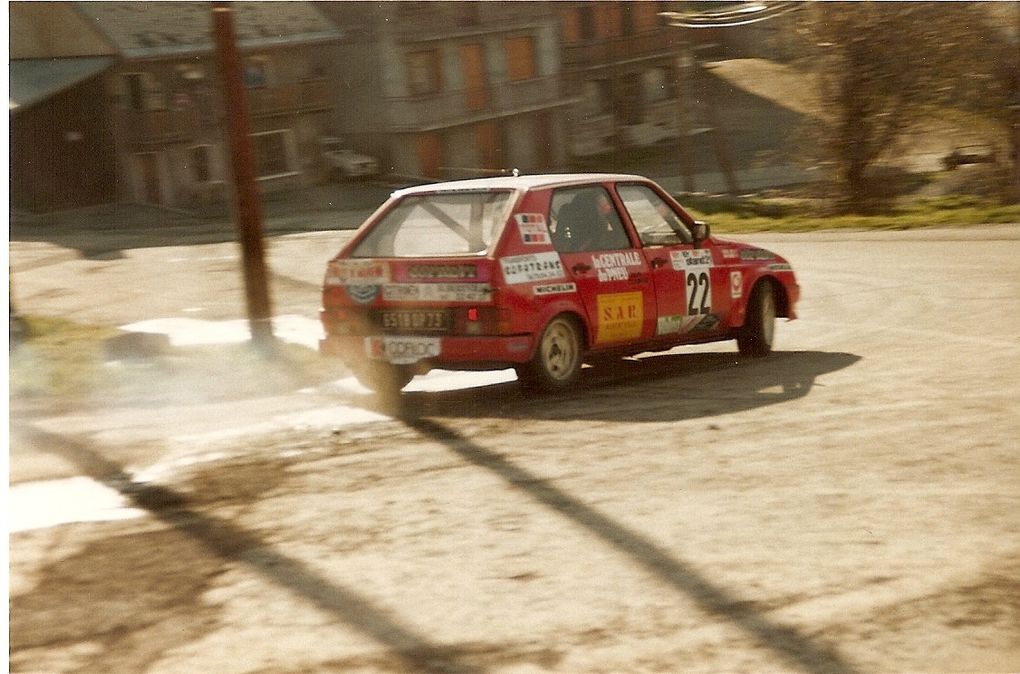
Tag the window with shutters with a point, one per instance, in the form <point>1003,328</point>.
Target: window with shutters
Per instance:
<point>143,91</point>
<point>424,72</point>
<point>520,56</point>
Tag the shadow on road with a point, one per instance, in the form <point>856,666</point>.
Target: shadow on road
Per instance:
<point>797,649</point>
<point>666,387</point>
<point>671,387</point>
<point>231,542</point>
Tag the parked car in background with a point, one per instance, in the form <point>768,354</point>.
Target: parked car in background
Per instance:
<point>346,162</point>
<point>969,154</point>
<point>540,273</point>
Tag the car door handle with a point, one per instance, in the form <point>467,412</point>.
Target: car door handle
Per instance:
<point>658,262</point>
<point>580,268</point>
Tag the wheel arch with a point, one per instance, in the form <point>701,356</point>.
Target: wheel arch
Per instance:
<point>565,308</point>
<point>779,292</point>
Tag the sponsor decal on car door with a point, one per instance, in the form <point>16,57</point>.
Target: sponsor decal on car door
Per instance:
<point>692,291</point>
<point>600,260</point>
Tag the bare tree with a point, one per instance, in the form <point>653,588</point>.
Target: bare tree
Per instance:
<point>881,66</point>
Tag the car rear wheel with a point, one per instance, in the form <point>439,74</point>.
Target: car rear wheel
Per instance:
<point>557,360</point>
<point>757,335</point>
<point>382,377</point>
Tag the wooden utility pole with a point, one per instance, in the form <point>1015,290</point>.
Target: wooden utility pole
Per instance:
<point>247,206</point>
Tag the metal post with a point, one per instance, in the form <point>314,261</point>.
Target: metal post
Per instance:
<point>247,207</point>
<point>686,91</point>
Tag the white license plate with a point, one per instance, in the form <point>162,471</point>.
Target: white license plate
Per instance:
<point>402,350</point>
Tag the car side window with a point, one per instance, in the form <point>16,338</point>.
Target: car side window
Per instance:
<point>585,219</point>
<point>657,224</point>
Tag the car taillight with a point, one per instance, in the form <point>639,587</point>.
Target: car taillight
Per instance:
<point>482,321</point>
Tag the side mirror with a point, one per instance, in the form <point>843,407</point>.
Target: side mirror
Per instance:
<point>701,231</point>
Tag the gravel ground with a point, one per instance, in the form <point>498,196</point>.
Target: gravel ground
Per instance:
<point>850,504</point>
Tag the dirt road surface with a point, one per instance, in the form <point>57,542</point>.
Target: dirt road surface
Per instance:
<point>849,504</point>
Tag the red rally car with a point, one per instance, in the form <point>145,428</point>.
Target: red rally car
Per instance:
<point>540,273</point>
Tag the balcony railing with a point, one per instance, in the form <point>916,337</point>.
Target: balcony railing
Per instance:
<point>458,107</point>
<point>188,122</point>
<point>613,50</point>
<point>160,126</point>
<point>287,98</point>
<point>415,22</point>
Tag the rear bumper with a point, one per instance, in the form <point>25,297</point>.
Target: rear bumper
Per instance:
<point>449,352</point>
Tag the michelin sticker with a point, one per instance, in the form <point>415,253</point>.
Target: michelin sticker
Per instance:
<point>532,228</point>
<point>555,289</point>
<point>531,268</point>
<point>437,292</point>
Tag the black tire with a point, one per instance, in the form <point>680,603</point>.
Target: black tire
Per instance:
<point>382,377</point>
<point>757,335</point>
<point>558,356</point>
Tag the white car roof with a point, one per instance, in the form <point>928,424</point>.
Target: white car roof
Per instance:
<point>524,182</point>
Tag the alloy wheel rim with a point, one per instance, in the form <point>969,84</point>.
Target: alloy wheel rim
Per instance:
<point>558,351</point>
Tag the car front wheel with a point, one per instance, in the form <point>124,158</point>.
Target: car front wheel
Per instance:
<point>757,335</point>
<point>557,360</point>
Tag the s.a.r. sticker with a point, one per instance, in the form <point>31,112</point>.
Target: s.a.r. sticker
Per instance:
<point>620,316</point>
<point>532,228</point>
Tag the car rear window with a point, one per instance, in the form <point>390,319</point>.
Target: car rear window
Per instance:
<point>461,223</point>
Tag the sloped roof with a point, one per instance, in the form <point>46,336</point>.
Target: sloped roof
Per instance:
<point>149,29</point>
<point>41,30</point>
<point>33,80</point>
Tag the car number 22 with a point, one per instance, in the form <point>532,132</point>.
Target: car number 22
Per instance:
<point>699,292</point>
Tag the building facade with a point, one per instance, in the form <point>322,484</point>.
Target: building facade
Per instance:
<point>452,89</point>
<point>620,64</point>
<point>166,106</point>
<point>159,99</point>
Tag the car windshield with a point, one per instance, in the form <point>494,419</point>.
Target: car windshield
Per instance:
<point>457,223</point>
